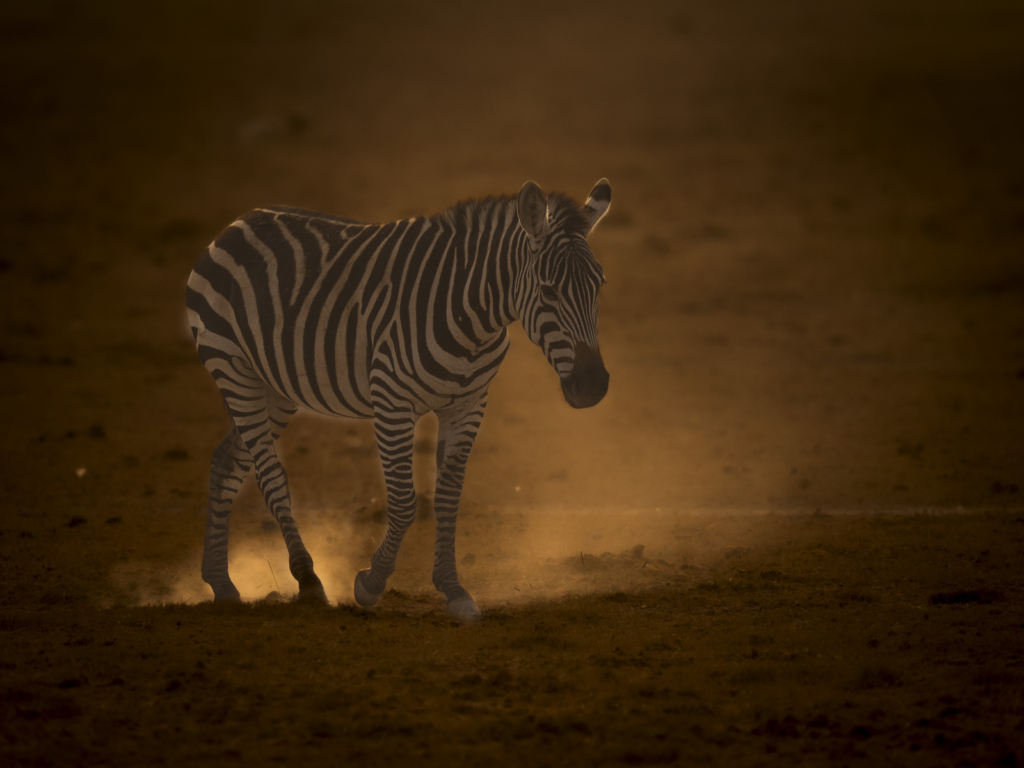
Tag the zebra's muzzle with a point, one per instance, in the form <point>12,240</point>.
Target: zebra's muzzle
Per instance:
<point>588,382</point>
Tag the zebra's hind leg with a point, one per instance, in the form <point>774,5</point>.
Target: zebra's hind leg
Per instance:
<point>457,430</point>
<point>394,443</point>
<point>229,466</point>
<point>259,416</point>
<point>311,590</point>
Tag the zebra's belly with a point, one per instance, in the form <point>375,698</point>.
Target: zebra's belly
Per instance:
<point>341,389</point>
<point>320,406</point>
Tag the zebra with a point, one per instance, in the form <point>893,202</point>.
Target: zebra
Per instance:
<point>291,308</point>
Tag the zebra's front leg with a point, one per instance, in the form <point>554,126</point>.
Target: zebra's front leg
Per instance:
<point>394,443</point>
<point>457,430</point>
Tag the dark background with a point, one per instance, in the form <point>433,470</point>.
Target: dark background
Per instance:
<point>814,250</point>
<point>815,296</point>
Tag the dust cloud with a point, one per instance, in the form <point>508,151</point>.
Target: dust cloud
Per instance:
<point>513,552</point>
<point>257,562</point>
<point>528,556</point>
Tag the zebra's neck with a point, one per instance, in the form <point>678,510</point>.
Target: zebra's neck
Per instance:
<point>491,254</point>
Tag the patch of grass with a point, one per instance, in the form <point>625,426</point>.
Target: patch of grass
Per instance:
<point>755,675</point>
<point>649,756</point>
<point>983,596</point>
<point>855,596</point>
<point>872,677</point>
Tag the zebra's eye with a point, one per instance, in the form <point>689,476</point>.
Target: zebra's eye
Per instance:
<point>549,293</point>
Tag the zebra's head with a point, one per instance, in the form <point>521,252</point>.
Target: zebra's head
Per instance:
<point>558,289</point>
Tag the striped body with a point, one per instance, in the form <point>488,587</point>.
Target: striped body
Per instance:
<point>327,311</point>
<point>291,308</point>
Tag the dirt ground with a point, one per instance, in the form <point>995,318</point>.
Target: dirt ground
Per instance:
<point>793,531</point>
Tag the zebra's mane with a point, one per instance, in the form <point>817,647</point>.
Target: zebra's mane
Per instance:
<point>564,213</point>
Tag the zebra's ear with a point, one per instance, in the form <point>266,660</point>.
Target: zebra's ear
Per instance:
<point>533,210</point>
<point>597,203</point>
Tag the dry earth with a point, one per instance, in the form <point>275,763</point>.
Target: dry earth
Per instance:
<point>791,533</point>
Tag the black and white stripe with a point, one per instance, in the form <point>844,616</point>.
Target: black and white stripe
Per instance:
<point>291,308</point>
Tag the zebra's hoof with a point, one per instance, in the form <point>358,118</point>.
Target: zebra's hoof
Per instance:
<point>226,596</point>
<point>313,596</point>
<point>365,597</point>
<point>311,591</point>
<point>463,609</point>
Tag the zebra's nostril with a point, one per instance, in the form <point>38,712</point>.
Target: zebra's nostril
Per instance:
<point>596,387</point>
